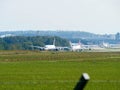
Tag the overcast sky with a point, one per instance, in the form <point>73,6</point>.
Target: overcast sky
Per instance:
<point>96,16</point>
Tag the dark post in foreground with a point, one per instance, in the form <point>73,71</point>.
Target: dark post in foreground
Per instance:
<point>82,82</point>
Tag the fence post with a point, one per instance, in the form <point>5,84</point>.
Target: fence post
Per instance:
<point>82,82</point>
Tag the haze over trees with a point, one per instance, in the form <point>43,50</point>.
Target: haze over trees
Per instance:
<point>11,40</point>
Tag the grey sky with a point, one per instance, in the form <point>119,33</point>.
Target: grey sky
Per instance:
<point>97,16</point>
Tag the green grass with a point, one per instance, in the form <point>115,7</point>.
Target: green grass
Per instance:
<point>32,70</point>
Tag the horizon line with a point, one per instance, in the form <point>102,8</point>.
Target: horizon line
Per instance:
<point>54,30</point>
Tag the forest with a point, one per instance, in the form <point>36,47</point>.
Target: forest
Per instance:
<point>25,42</point>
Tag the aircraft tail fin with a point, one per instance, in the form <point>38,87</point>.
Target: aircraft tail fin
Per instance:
<point>54,41</point>
<point>70,43</point>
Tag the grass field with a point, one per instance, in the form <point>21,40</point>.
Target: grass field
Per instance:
<point>34,70</point>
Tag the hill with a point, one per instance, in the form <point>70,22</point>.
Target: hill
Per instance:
<point>74,36</point>
<point>63,34</point>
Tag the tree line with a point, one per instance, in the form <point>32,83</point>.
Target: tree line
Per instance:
<point>25,43</point>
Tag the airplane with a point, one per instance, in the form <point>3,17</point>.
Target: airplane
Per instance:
<point>108,45</point>
<point>75,46</point>
<point>49,47</point>
<point>80,47</point>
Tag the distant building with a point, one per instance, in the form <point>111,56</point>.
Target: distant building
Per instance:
<point>117,36</point>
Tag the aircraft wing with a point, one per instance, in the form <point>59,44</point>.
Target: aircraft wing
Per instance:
<point>38,47</point>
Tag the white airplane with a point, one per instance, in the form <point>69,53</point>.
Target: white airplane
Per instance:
<point>105,45</point>
<point>79,46</point>
<point>75,46</point>
<point>47,47</point>
<point>50,47</point>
